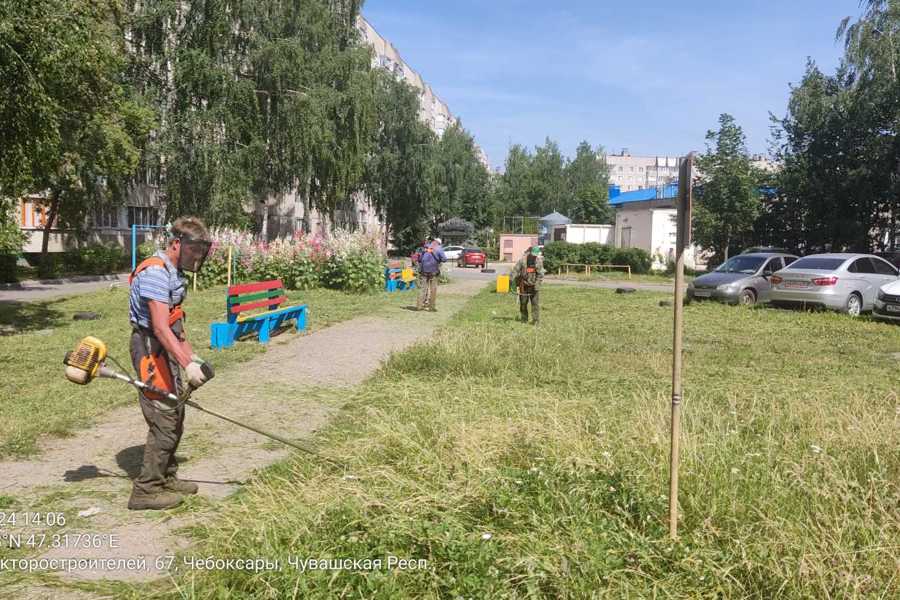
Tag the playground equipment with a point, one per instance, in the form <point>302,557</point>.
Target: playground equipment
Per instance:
<point>397,278</point>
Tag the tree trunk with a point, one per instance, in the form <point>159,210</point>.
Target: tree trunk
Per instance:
<point>727,243</point>
<point>264,230</point>
<point>54,211</point>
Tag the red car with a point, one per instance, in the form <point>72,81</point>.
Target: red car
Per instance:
<point>472,256</point>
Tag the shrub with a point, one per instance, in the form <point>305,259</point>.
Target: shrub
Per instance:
<point>95,259</point>
<point>558,253</point>
<point>8,268</point>
<point>11,241</point>
<point>342,260</point>
<point>356,272</point>
<point>638,259</point>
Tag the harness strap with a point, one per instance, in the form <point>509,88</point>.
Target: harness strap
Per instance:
<point>176,313</point>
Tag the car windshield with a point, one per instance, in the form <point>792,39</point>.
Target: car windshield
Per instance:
<point>817,264</point>
<point>741,264</point>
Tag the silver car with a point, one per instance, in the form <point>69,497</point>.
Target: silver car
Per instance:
<point>840,281</point>
<point>742,279</point>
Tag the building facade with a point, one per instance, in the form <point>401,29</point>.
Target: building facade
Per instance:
<point>647,219</point>
<point>631,173</point>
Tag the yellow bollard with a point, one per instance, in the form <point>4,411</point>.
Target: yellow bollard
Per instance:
<point>502,284</point>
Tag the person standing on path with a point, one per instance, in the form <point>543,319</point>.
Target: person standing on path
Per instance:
<point>528,275</point>
<point>163,357</point>
<point>430,268</point>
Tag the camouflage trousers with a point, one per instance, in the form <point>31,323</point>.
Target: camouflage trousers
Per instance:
<point>533,296</point>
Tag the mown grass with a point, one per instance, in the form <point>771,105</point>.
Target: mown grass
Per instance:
<point>35,397</point>
<point>532,462</point>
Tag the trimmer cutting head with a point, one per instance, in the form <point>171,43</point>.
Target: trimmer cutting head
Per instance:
<point>84,362</point>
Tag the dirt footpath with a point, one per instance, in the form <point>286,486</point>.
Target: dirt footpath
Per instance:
<point>91,472</point>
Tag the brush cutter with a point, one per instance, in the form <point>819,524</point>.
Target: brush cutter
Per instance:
<point>88,361</point>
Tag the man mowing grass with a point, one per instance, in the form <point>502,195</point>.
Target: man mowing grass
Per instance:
<point>159,352</point>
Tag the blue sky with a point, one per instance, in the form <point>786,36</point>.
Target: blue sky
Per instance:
<point>517,71</point>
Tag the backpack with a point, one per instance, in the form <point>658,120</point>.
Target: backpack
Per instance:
<point>428,262</point>
<point>530,278</point>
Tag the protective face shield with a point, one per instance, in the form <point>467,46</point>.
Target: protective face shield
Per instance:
<point>193,254</point>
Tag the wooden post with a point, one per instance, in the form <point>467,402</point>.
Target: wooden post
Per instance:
<point>229,265</point>
<point>683,238</point>
<point>194,275</point>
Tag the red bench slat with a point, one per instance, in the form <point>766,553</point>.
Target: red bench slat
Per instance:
<point>242,307</point>
<point>244,288</point>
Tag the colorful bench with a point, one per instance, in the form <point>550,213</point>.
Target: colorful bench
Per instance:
<point>399,279</point>
<point>250,296</point>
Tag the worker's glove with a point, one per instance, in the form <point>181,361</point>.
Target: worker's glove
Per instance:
<point>196,375</point>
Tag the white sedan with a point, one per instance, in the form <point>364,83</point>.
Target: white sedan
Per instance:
<point>453,252</point>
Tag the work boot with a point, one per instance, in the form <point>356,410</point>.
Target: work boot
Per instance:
<point>179,486</point>
<point>160,500</point>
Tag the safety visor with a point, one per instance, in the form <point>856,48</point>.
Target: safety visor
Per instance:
<point>193,254</point>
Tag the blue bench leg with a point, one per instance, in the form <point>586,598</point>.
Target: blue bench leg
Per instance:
<point>300,321</point>
<point>264,331</point>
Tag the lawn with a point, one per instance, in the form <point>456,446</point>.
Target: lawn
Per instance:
<point>35,397</point>
<point>521,461</point>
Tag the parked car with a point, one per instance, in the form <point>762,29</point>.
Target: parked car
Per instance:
<point>887,302</point>
<point>839,281</point>
<point>742,279</point>
<point>453,252</point>
<point>472,256</point>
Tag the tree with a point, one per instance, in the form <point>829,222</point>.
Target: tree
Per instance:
<point>462,183</point>
<point>728,199</point>
<point>587,182</point>
<point>74,128</point>
<point>262,98</point>
<point>398,171</point>
<point>548,190</point>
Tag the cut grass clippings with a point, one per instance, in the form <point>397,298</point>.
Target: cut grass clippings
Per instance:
<point>533,462</point>
<point>35,397</point>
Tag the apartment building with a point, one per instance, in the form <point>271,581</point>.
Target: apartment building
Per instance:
<point>638,172</point>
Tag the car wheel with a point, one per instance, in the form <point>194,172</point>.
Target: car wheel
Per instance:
<point>747,298</point>
<point>854,304</point>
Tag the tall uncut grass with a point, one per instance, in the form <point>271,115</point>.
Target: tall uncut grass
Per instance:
<point>524,462</point>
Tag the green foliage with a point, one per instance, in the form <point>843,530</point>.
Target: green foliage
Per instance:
<point>12,238</point>
<point>359,272</point>
<point>587,178</point>
<point>727,201</point>
<point>558,253</point>
<point>91,259</point>
<point>839,188</point>
<point>535,184</point>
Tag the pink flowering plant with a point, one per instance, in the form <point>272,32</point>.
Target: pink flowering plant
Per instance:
<point>351,261</point>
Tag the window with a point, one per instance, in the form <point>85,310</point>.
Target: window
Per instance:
<point>142,215</point>
<point>106,218</point>
<point>883,268</point>
<point>862,265</point>
<point>818,264</point>
<point>774,265</point>
<point>788,260</point>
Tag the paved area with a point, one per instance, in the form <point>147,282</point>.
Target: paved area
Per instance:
<point>33,291</point>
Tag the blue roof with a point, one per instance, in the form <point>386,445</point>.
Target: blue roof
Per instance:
<point>663,192</point>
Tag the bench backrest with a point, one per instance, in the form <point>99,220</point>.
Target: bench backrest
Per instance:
<point>249,296</point>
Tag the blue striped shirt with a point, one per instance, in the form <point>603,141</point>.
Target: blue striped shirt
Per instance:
<point>163,284</point>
